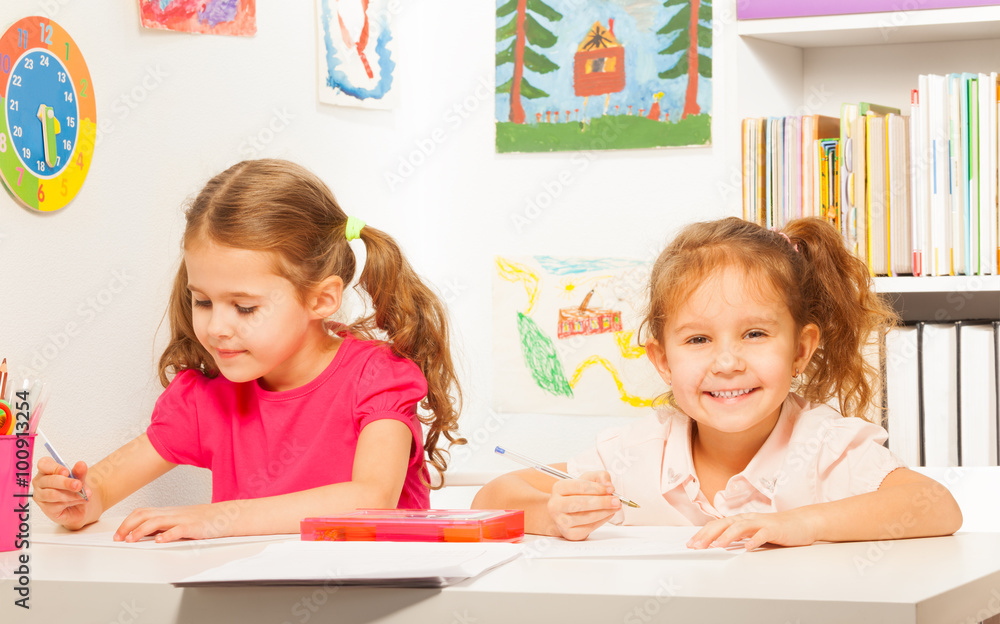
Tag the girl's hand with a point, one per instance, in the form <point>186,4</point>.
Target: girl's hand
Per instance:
<point>578,506</point>
<point>58,496</point>
<point>784,528</point>
<point>169,524</point>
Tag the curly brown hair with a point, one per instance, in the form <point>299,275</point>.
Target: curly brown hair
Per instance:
<point>280,207</point>
<point>819,279</point>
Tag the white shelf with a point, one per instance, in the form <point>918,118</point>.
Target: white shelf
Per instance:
<point>939,284</point>
<point>892,27</point>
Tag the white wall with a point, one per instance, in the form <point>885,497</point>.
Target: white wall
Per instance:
<point>176,109</point>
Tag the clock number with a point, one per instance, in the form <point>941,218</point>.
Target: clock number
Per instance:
<point>46,33</point>
<point>5,63</point>
<point>68,95</point>
<point>13,105</point>
<point>67,145</point>
<point>26,152</point>
<point>41,193</point>
<point>17,131</point>
<point>3,143</point>
<point>22,38</point>
<point>20,175</point>
<point>29,63</point>
<point>63,188</point>
<point>44,61</point>
<point>67,50</point>
<point>83,89</point>
<point>62,76</point>
<point>16,81</point>
<point>79,160</point>
<point>71,122</point>
<point>40,165</point>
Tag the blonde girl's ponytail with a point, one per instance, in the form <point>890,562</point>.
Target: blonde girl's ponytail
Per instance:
<point>415,324</point>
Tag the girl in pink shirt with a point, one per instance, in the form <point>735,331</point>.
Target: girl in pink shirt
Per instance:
<point>755,332</point>
<point>294,417</point>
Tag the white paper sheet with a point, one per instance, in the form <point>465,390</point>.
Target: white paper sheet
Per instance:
<point>105,539</point>
<point>620,542</point>
<point>397,564</point>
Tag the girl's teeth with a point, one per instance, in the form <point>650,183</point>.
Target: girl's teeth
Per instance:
<point>729,394</point>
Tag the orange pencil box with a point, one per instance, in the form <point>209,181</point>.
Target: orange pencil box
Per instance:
<point>417,525</point>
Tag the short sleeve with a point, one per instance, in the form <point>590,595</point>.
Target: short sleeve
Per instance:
<point>853,459</point>
<point>390,387</point>
<point>173,430</point>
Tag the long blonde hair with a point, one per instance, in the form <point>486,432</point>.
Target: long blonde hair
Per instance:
<point>819,280</point>
<point>282,208</point>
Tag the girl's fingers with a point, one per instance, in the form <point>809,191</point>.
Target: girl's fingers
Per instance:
<point>580,487</point>
<point>735,532</point>
<point>577,504</point>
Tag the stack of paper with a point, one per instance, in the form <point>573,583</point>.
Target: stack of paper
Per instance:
<point>386,564</point>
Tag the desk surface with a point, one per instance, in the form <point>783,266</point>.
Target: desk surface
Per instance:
<point>945,579</point>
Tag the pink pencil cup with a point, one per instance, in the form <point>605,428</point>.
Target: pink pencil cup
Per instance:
<point>15,464</point>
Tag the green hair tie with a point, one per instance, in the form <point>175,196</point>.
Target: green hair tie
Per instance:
<point>353,229</point>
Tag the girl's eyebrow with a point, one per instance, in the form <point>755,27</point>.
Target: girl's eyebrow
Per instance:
<point>236,294</point>
<point>752,320</point>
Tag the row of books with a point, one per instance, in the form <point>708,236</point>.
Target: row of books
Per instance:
<point>951,418</point>
<point>912,194</point>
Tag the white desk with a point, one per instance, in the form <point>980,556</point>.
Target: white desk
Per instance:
<point>947,579</point>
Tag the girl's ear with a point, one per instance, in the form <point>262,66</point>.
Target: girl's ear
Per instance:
<point>326,297</point>
<point>657,355</point>
<point>808,342</point>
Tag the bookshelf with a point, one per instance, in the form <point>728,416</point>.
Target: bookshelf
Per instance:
<point>806,65</point>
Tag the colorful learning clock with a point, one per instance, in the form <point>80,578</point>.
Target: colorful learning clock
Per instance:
<point>49,122</point>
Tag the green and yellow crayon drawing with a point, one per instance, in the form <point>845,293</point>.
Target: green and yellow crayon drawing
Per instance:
<point>565,336</point>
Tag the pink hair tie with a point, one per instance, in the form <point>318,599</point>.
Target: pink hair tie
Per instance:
<point>785,236</point>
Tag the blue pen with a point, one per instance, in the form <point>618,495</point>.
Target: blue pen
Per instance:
<point>549,470</point>
<point>52,451</point>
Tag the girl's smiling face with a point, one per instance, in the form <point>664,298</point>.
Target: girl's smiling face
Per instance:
<point>251,320</point>
<point>729,351</point>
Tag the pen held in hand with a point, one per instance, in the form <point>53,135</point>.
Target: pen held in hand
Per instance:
<point>52,451</point>
<point>549,470</point>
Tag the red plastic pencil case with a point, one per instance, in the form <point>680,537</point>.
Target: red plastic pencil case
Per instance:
<point>417,525</point>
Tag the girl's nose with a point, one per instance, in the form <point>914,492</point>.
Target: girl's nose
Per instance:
<point>727,360</point>
<point>219,324</point>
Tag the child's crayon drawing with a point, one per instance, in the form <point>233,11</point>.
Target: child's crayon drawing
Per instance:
<point>603,74</point>
<point>356,52</point>
<point>211,17</point>
<point>564,333</point>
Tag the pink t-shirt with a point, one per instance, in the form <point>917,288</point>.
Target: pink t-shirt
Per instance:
<point>259,443</point>
<point>813,455</point>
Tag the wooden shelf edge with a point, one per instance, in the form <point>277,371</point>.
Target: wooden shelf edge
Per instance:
<point>942,284</point>
<point>890,27</point>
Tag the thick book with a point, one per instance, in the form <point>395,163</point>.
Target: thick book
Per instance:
<point>939,393</point>
<point>902,377</point>
<point>898,211</point>
<point>977,393</point>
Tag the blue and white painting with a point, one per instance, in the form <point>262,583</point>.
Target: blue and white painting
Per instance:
<point>356,53</point>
